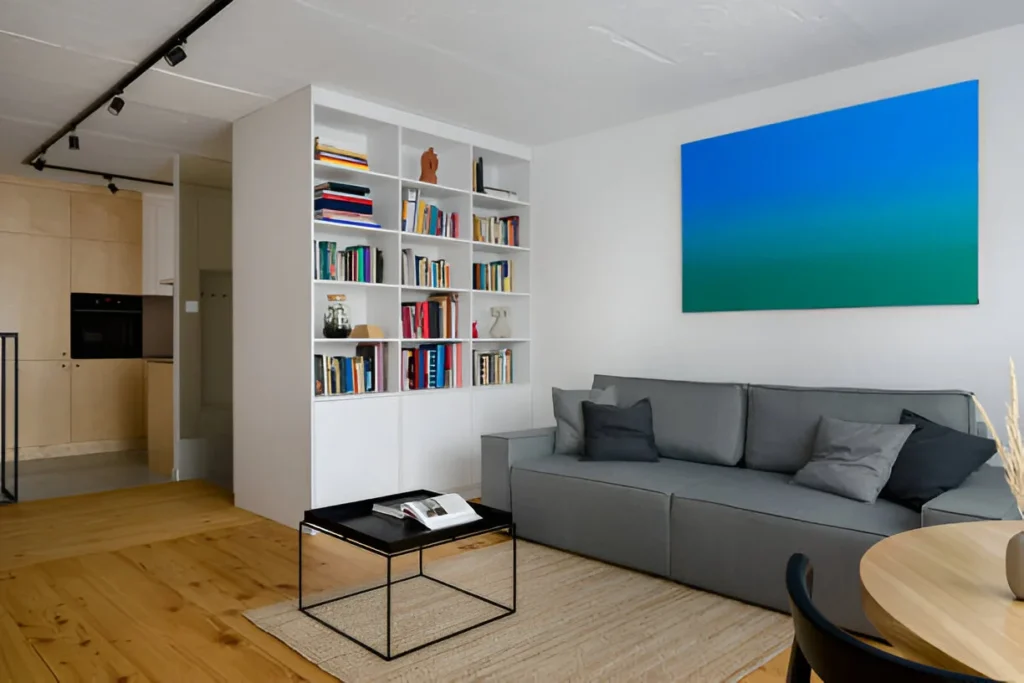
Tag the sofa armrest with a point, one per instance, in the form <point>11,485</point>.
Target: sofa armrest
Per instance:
<point>985,495</point>
<point>499,452</point>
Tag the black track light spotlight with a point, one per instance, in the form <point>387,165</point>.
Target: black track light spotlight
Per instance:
<point>110,185</point>
<point>73,142</point>
<point>40,163</point>
<point>176,55</point>
<point>116,105</point>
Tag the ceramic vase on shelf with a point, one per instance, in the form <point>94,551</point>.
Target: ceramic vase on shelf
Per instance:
<point>337,322</point>
<point>1015,565</point>
<point>500,328</point>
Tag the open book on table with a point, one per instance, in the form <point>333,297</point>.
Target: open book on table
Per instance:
<point>438,512</point>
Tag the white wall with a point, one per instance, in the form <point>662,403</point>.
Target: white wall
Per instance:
<point>607,251</point>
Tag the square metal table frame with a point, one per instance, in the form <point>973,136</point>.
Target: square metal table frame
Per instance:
<point>389,655</point>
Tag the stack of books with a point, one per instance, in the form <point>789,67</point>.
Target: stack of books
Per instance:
<point>495,276</point>
<point>426,219</point>
<point>343,204</point>
<point>362,373</point>
<point>350,264</point>
<point>435,318</point>
<point>432,366</point>
<point>492,367</point>
<point>332,154</point>
<point>495,230</point>
<point>420,271</point>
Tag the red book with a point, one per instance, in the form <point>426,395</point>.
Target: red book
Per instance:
<point>343,197</point>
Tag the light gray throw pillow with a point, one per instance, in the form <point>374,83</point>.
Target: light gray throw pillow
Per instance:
<point>568,406</point>
<point>852,459</point>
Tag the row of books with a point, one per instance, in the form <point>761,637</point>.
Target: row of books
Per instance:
<point>492,367</point>
<point>362,373</point>
<point>432,366</point>
<point>420,271</point>
<point>426,219</point>
<point>333,154</point>
<point>435,318</point>
<point>351,264</point>
<point>344,204</point>
<point>495,276</point>
<point>495,230</point>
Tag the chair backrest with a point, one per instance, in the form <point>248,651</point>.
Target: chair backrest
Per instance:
<point>838,657</point>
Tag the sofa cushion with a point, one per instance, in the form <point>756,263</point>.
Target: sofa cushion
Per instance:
<point>614,433</point>
<point>568,407</point>
<point>695,421</point>
<point>782,421</point>
<point>985,495</point>
<point>614,511</point>
<point>770,493</point>
<point>852,459</point>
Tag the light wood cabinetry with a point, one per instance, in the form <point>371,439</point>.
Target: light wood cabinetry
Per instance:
<point>159,241</point>
<point>106,217</point>
<point>107,399</point>
<point>106,267</point>
<point>44,411</point>
<point>35,288</point>
<point>160,416</point>
<point>34,210</point>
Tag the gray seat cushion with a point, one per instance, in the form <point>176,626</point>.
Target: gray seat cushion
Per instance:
<point>733,532</point>
<point>782,421</point>
<point>613,511</point>
<point>695,421</point>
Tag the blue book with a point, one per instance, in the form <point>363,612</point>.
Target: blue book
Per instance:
<point>439,373</point>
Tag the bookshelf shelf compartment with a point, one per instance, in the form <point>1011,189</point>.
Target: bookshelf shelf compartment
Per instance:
<point>350,397</point>
<point>420,238</point>
<point>510,340</point>
<point>325,170</point>
<point>486,201</point>
<point>487,292</point>
<point>353,340</point>
<point>434,191</point>
<point>329,228</point>
<point>352,283</point>
<point>489,247</point>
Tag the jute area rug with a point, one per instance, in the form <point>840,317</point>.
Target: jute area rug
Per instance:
<point>577,620</point>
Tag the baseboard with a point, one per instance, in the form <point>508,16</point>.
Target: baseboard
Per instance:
<point>80,448</point>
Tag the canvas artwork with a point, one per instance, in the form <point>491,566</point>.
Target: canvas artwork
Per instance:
<point>872,205</point>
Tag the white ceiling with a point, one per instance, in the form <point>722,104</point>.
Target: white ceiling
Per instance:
<point>531,71</point>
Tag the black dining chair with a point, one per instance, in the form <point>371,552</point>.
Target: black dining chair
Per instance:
<point>836,656</point>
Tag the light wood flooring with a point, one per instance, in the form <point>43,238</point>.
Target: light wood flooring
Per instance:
<point>149,584</point>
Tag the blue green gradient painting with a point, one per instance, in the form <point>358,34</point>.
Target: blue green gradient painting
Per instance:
<point>873,205</point>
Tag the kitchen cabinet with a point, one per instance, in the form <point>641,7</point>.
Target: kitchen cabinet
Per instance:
<point>44,408</point>
<point>99,267</point>
<point>34,210</point>
<point>106,217</point>
<point>107,399</point>
<point>159,241</point>
<point>35,293</point>
<point>160,416</point>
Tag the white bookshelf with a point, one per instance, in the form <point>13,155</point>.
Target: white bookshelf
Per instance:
<point>295,450</point>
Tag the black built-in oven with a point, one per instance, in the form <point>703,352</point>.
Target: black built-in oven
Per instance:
<point>106,326</point>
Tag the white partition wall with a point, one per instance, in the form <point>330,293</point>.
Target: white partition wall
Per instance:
<point>295,449</point>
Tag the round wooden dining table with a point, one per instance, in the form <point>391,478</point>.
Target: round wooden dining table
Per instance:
<point>939,594</point>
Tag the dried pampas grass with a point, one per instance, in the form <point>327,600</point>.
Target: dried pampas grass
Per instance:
<point>1012,453</point>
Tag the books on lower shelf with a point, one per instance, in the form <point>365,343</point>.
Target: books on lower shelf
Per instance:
<point>492,367</point>
<point>362,373</point>
<point>495,230</point>
<point>420,271</point>
<point>495,276</point>
<point>349,264</point>
<point>432,366</point>
<point>424,218</point>
<point>333,154</point>
<point>435,318</point>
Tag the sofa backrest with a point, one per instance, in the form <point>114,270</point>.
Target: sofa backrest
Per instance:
<point>695,421</point>
<point>782,421</point>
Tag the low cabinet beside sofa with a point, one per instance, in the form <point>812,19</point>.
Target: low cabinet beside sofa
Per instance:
<point>718,511</point>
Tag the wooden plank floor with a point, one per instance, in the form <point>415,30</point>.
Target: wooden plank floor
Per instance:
<point>149,584</point>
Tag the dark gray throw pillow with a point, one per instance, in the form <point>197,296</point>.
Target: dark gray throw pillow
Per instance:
<point>935,459</point>
<point>569,415</point>
<point>852,459</point>
<point>613,433</point>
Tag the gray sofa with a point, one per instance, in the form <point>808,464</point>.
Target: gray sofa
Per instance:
<point>718,511</point>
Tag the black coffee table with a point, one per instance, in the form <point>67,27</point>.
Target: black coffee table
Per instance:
<point>355,523</point>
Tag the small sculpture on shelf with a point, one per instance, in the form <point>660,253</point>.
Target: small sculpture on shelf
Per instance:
<point>476,334</point>
<point>428,167</point>
<point>337,323</point>
<point>500,328</point>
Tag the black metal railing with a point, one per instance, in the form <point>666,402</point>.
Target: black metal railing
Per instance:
<point>8,493</point>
